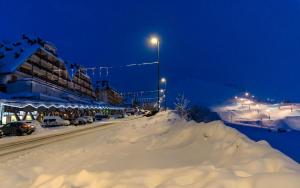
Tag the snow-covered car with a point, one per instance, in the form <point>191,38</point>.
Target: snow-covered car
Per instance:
<point>80,121</point>
<point>51,121</point>
<point>89,119</point>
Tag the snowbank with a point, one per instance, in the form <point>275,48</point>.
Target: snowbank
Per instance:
<point>293,122</point>
<point>156,152</point>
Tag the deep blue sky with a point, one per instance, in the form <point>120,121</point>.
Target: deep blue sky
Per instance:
<point>209,49</point>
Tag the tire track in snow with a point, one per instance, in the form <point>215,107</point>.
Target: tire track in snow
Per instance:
<point>31,143</point>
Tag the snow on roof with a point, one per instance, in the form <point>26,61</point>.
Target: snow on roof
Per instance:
<point>14,54</point>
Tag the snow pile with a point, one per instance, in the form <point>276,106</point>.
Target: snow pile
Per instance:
<point>156,152</point>
<point>293,122</point>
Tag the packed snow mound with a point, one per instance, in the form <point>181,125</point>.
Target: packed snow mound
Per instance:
<point>293,122</point>
<point>164,151</point>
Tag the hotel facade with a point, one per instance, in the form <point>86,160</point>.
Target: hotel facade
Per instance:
<point>35,81</point>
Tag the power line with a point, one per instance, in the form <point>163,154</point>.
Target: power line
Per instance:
<point>136,93</point>
<point>107,68</point>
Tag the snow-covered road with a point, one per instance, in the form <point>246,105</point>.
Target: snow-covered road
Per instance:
<point>27,143</point>
<point>44,136</point>
<point>156,152</point>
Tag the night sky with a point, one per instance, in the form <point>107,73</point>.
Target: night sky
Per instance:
<point>210,50</point>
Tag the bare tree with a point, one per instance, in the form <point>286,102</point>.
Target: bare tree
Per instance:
<point>181,104</point>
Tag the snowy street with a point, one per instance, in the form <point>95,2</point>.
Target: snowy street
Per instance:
<point>160,151</point>
<point>29,142</point>
<point>43,136</point>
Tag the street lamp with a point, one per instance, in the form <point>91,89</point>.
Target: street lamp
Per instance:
<point>155,41</point>
<point>164,81</point>
<point>268,112</point>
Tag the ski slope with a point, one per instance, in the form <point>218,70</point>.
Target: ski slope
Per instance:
<point>264,115</point>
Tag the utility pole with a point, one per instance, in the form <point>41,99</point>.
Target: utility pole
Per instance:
<point>155,41</point>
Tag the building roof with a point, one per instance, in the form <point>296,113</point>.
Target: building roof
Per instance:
<point>17,103</point>
<point>14,54</point>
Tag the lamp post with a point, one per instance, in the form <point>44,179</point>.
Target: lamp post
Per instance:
<point>155,41</point>
<point>164,81</point>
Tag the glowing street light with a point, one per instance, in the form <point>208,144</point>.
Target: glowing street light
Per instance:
<point>246,94</point>
<point>155,41</point>
<point>164,81</point>
<point>268,113</point>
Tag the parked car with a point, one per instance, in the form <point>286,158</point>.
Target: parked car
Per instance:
<point>89,119</point>
<point>51,121</point>
<point>99,117</point>
<point>1,133</point>
<point>17,128</point>
<point>118,116</point>
<point>151,113</point>
<point>131,111</point>
<point>80,121</point>
<point>147,113</point>
<point>33,122</point>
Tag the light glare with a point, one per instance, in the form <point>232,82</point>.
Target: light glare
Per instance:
<point>163,80</point>
<point>154,40</point>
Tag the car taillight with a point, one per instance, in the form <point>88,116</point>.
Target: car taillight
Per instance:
<point>25,126</point>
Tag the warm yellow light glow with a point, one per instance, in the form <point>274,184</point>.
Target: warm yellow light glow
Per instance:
<point>248,102</point>
<point>154,40</point>
<point>163,80</point>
